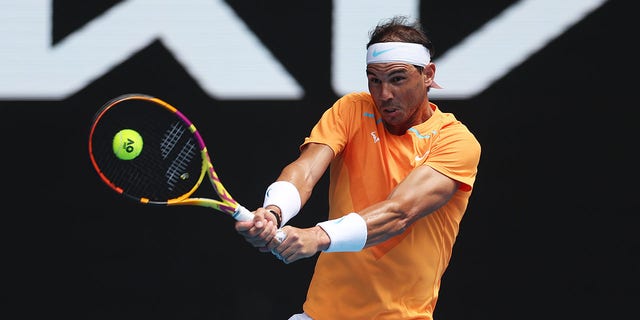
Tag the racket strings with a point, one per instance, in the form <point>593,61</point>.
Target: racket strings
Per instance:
<point>178,170</point>
<point>172,136</point>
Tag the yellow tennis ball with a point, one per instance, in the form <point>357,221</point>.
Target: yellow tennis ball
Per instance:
<point>127,144</point>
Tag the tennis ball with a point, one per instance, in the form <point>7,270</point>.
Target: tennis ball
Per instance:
<point>127,144</point>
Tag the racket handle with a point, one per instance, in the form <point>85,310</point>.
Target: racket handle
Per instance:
<point>243,214</point>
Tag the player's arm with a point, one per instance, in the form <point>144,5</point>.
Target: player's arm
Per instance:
<point>288,194</point>
<point>422,192</point>
<point>305,172</point>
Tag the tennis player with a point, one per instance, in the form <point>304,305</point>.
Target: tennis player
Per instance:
<point>401,176</point>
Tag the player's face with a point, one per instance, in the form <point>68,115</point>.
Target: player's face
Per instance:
<point>399,91</point>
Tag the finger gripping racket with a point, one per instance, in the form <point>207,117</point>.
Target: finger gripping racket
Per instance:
<point>148,151</point>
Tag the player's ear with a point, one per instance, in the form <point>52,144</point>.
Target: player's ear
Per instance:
<point>429,73</point>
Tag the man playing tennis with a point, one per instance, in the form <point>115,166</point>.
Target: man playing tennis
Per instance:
<point>401,174</point>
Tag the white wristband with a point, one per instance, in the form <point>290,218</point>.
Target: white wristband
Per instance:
<point>348,233</point>
<point>285,196</point>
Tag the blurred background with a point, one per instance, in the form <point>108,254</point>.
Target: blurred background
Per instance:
<point>550,228</point>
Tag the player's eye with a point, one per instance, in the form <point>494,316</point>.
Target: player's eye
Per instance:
<point>398,79</point>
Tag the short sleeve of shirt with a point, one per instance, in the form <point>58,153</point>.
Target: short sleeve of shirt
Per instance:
<point>334,127</point>
<point>456,154</point>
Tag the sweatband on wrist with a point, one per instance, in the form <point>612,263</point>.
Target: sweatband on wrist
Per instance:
<point>285,196</point>
<point>348,233</point>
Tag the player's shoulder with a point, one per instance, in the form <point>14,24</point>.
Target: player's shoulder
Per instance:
<point>357,98</point>
<point>357,102</point>
<point>454,129</point>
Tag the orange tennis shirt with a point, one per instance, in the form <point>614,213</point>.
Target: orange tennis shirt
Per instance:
<point>399,278</point>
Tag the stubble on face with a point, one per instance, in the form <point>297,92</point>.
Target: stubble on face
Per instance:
<point>399,92</point>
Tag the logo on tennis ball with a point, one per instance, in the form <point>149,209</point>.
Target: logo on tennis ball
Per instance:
<point>127,144</point>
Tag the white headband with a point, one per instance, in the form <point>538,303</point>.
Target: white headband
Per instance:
<point>412,53</point>
<point>406,52</point>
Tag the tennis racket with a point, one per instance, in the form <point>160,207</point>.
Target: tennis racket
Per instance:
<point>148,151</point>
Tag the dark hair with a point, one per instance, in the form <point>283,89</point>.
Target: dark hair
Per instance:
<point>400,29</point>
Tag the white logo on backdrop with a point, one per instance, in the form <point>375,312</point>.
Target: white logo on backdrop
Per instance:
<point>218,50</point>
